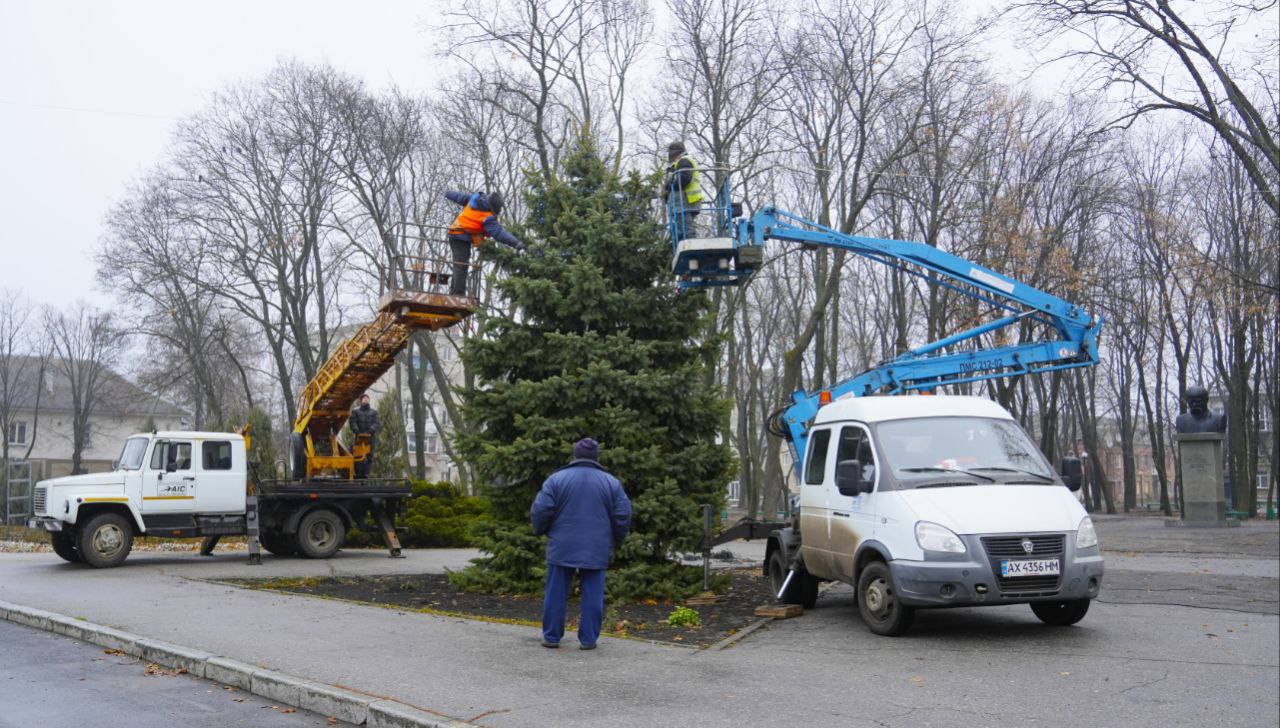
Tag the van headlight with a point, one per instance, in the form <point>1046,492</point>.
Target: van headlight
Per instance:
<point>1086,537</point>
<point>932,537</point>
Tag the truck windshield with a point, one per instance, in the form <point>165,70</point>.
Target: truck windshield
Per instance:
<point>131,456</point>
<point>991,449</point>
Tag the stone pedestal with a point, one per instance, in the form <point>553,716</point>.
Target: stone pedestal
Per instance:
<point>1204,504</point>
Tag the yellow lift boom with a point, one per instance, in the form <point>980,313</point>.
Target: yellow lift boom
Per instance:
<point>417,300</point>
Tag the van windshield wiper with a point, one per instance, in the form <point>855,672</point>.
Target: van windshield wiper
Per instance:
<point>1000,468</point>
<point>960,471</point>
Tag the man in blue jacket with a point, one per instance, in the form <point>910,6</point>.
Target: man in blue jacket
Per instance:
<point>478,220</point>
<point>586,513</point>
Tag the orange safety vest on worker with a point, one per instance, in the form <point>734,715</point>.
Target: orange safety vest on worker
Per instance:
<point>477,223</point>
<point>470,222</point>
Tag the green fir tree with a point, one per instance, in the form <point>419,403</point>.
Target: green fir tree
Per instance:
<point>597,343</point>
<point>389,450</point>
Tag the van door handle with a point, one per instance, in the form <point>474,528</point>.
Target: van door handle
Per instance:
<point>838,513</point>
<point>190,478</point>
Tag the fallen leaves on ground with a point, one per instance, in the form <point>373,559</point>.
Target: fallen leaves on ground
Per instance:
<point>111,651</point>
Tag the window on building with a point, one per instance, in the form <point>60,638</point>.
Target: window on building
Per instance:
<point>734,495</point>
<point>216,455</point>
<point>411,442</point>
<point>432,444</point>
<point>17,433</point>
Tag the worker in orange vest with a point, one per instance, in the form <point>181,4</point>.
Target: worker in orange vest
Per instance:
<point>478,220</point>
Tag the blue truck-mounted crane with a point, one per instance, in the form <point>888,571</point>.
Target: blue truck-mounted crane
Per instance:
<point>868,526</point>
<point>734,252</point>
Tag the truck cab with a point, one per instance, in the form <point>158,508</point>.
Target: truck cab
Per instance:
<point>934,501</point>
<point>159,485</point>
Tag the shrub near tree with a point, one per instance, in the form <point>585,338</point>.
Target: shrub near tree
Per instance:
<point>597,343</point>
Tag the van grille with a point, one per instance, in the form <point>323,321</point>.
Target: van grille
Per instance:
<point>1010,547</point>
<point>39,503</point>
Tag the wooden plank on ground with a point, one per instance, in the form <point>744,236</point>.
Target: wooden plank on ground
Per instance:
<point>780,611</point>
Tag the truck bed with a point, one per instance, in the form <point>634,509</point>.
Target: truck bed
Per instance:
<point>325,488</point>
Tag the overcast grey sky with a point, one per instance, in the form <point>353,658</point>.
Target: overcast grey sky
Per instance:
<point>120,74</point>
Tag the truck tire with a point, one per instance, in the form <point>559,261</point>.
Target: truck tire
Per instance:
<point>279,544</point>
<point>320,534</point>
<point>64,545</point>
<point>1061,614</point>
<point>298,455</point>
<point>878,602</point>
<point>802,590</point>
<point>105,541</point>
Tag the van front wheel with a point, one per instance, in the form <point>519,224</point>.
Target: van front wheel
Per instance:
<point>878,602</point>
<point>1061,614</point>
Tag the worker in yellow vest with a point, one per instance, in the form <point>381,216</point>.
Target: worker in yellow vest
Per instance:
<point>685,189</point>
<point>478,220</point>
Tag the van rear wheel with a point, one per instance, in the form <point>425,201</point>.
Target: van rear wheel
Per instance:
<point>105,541</point>
<point>802,590</point>
<point>1061,614</point>
<point>879,604</point>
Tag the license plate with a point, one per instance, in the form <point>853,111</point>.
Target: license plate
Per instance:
<point>1036,567</point>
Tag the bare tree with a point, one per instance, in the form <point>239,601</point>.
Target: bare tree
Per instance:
<point>85,345</point>
<point>1192,62</point>
<point>24,359</point>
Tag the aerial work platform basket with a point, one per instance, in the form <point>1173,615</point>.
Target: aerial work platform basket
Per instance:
<point>705,246</point>
<point>414,297</point>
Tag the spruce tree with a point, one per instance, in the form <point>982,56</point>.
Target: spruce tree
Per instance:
<point>597,344</point>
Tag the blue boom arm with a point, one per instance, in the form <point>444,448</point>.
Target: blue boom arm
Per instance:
<point>953,360</point>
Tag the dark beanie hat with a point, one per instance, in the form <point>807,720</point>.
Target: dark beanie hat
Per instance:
<point>586,449</point>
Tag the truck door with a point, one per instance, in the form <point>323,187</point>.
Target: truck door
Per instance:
<point>169,483</point>
<point>852,517</point>
<point>221,477</point>
<point>814,528</point>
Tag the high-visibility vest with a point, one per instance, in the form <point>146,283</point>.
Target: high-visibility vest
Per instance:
<point>693,190</point>
<point>470,222</point>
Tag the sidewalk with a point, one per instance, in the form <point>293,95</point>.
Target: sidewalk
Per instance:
<point>821,669</point>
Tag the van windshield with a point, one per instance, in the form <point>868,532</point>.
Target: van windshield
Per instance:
<point>131,456</point>
<point>993,450</point>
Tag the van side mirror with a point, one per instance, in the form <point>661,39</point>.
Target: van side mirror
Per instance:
<point>171,467</point>
<point>849,478</point>
<point>1072,473</point>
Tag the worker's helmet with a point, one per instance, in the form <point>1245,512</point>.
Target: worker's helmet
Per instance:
<point>495,202</point>
<point>675,149</point>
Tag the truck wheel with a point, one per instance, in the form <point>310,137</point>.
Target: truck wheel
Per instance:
<point>878,602</point>
<point>1061,614</point>
<point>802,590</point>
<point>64,545</point>
<point>105,541</point>
<point>277,543</point>
<point>320,534</point>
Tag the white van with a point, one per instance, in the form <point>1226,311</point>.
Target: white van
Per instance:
<point>934,501</point>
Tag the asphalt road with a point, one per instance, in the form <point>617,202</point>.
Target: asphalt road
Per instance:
<point>50,681</point>
<point>1186,634</point>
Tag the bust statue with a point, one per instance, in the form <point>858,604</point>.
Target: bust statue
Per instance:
<point>1199,418</point>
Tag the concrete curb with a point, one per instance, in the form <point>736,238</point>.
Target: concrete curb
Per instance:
<point>328,700</point>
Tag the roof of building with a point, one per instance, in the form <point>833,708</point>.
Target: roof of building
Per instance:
<point>902,407</point>
<point>118,396</point>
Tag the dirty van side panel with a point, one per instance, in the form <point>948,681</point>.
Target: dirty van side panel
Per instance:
<point>814,528</point>
<point>852,517</point>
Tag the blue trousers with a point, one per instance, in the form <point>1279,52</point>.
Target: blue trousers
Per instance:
<point>559,579</point>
